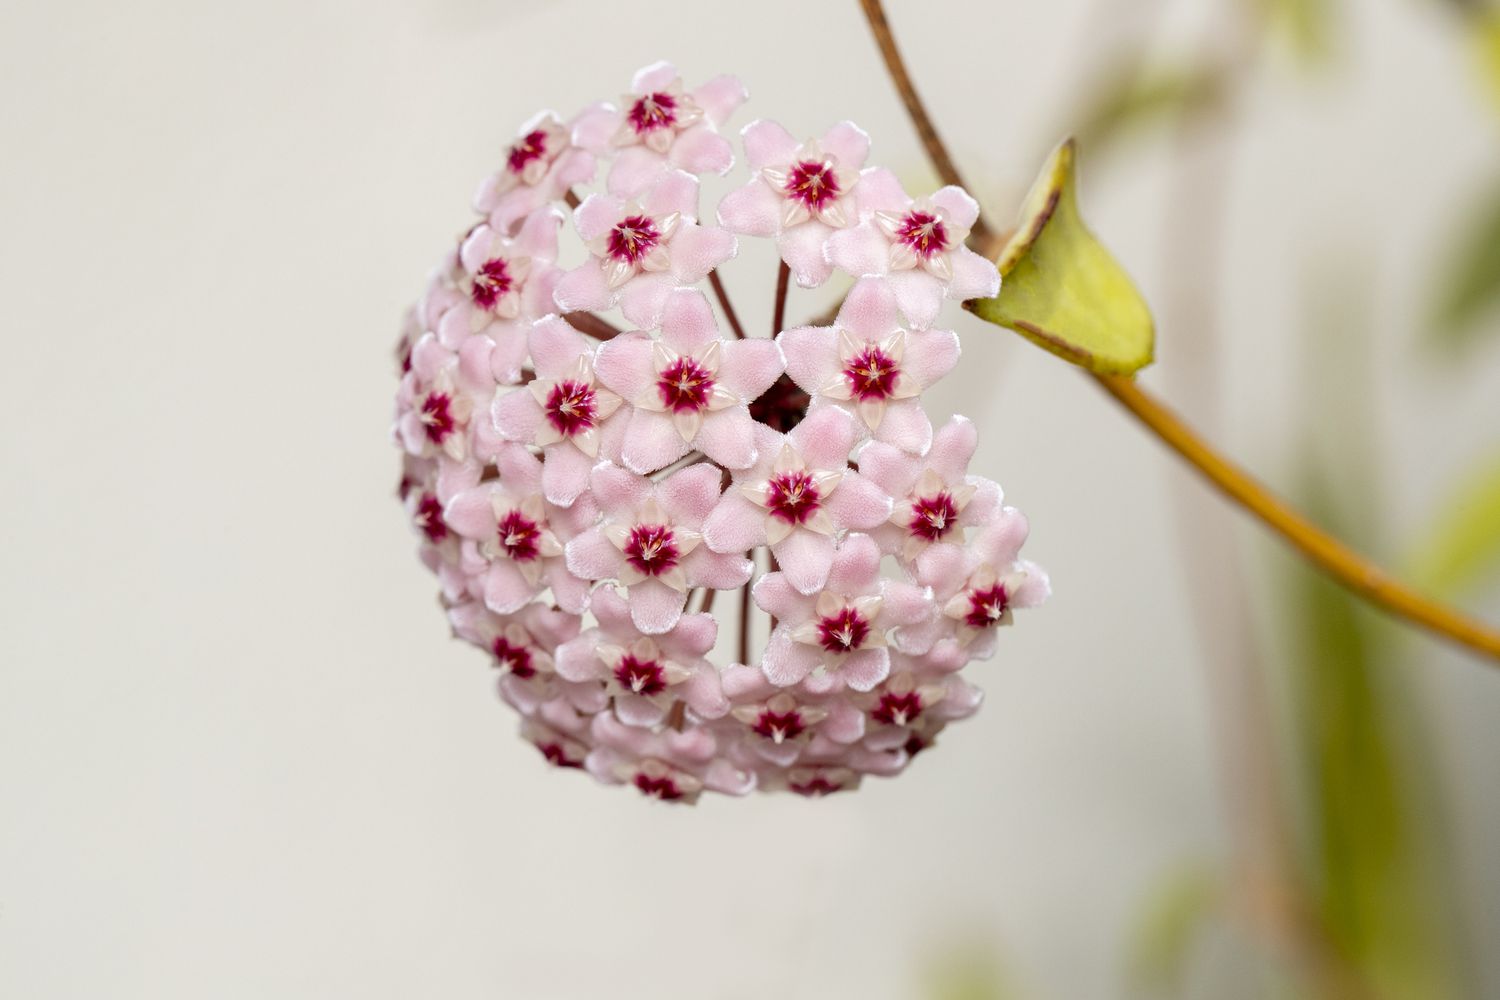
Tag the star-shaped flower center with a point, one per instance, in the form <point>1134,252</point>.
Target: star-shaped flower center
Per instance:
<point>513,658</point>
<point>557,754</point>
<point>571,407</point>
<point>429,518</point>
<point>923,233</point>
<point>651,549</point>
<point>986,606</point>
<point>662,787</point>
<point>779,726</point>
<point>872,374</point>
<point>632,238</point>
<point>897,708</point>
<point>652,112</point>
<point>843,631</point>
<point>519,536</point>
<point>685,386</point>
<point>640,675</point>
<point>812,183</point>
<point>491,282</point>
<point>932,517</point>
<point>437,416</point>
<point>793,496</point>
<point>532,146</point>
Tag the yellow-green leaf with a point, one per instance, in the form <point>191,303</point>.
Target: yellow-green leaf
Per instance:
<point>1062,289</point>
<point>1468,299</point>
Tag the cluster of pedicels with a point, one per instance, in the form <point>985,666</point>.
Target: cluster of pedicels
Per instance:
<point>584,491</point>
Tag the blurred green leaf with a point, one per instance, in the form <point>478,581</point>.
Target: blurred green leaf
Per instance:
<point>1306,25</point>
<point>1156,95</point>
<point>1487,42</point>
<point>1062,289</point>
<point>1469,291</point>
<point>1465,544</point>
<point>1170,925</point>
<point>967,971</point>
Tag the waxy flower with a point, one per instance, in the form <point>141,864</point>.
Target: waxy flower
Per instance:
<point>797,497</point>
<point>662,127</point>
<point>563,410</point>
<point>935,498</point>
<point>867,363</point>
<point>641,250</point>
<point>595,501</point>
<point>690,389</point>
<point>800,194</point>
<point>918,246</point>
<point>649,540</point>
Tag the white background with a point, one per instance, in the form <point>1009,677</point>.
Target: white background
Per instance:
<point>239,755</point>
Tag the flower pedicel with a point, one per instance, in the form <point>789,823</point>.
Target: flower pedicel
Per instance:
<point>586,493</point>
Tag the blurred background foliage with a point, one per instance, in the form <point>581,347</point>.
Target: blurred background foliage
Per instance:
<point>1357,899</point>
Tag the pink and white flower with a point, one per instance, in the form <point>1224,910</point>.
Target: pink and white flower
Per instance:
<point>641,250</point>
<point>543,163</point>
<point>690,389</point>
<point>507,277</point>
<point>649,540</point>
<point>936,500</point>
<point>563,410</point>
<point>917,245</point>
<point>800,194</point>
<point>797,497</point>
<point>867,363</point>
<point>662,127</point>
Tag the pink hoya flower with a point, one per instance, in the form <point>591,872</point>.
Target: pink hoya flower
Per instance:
<point>642,250</point>
<point>705,555</point>
<point>520,536</point>
<point>800,193</point>
<point>563,410</point>
<point>689,389</point>
<point>649,540</point>
<point>838,636</point>
<point>918,246</point>
<point>935,498</point>
<point>663,127</point>
<point>867,363</point>
<point>646,675</point>
<point>798,495</point>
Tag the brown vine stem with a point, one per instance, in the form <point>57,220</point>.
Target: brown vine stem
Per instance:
<point>723,297</point>
<point>937,152</point>
<point>590,325</point>
<point>1340,562</point>
<point>778,314</point>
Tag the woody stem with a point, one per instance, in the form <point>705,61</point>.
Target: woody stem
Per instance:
<point>723,297</point>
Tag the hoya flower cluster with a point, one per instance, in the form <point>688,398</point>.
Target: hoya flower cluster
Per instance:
<point>701,559</point>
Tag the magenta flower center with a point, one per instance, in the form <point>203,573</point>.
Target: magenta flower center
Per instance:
<point>644,677</point>
<point>843,632</point>
<point>793,496</point>
<point>685,386</point>
<point>513,659</point>
<point>663,788</point>
<point>652,112</point>
<point>491,283</point>
<point>437,416</point>
<point>429,518</point>
<point>812,183</point>
<point>651,549</point>
<point>557,754</point>
<point>897,709</point>
<point>815,787</point>
<point>923,233</point>
<point>872,374</point>
<point>986,606</point>
<point>519,536</point>
<point>570,407</point>
<point>632,238</point>
<point>533,146</point>
<point>779,726</point>
<point>932,517</point>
